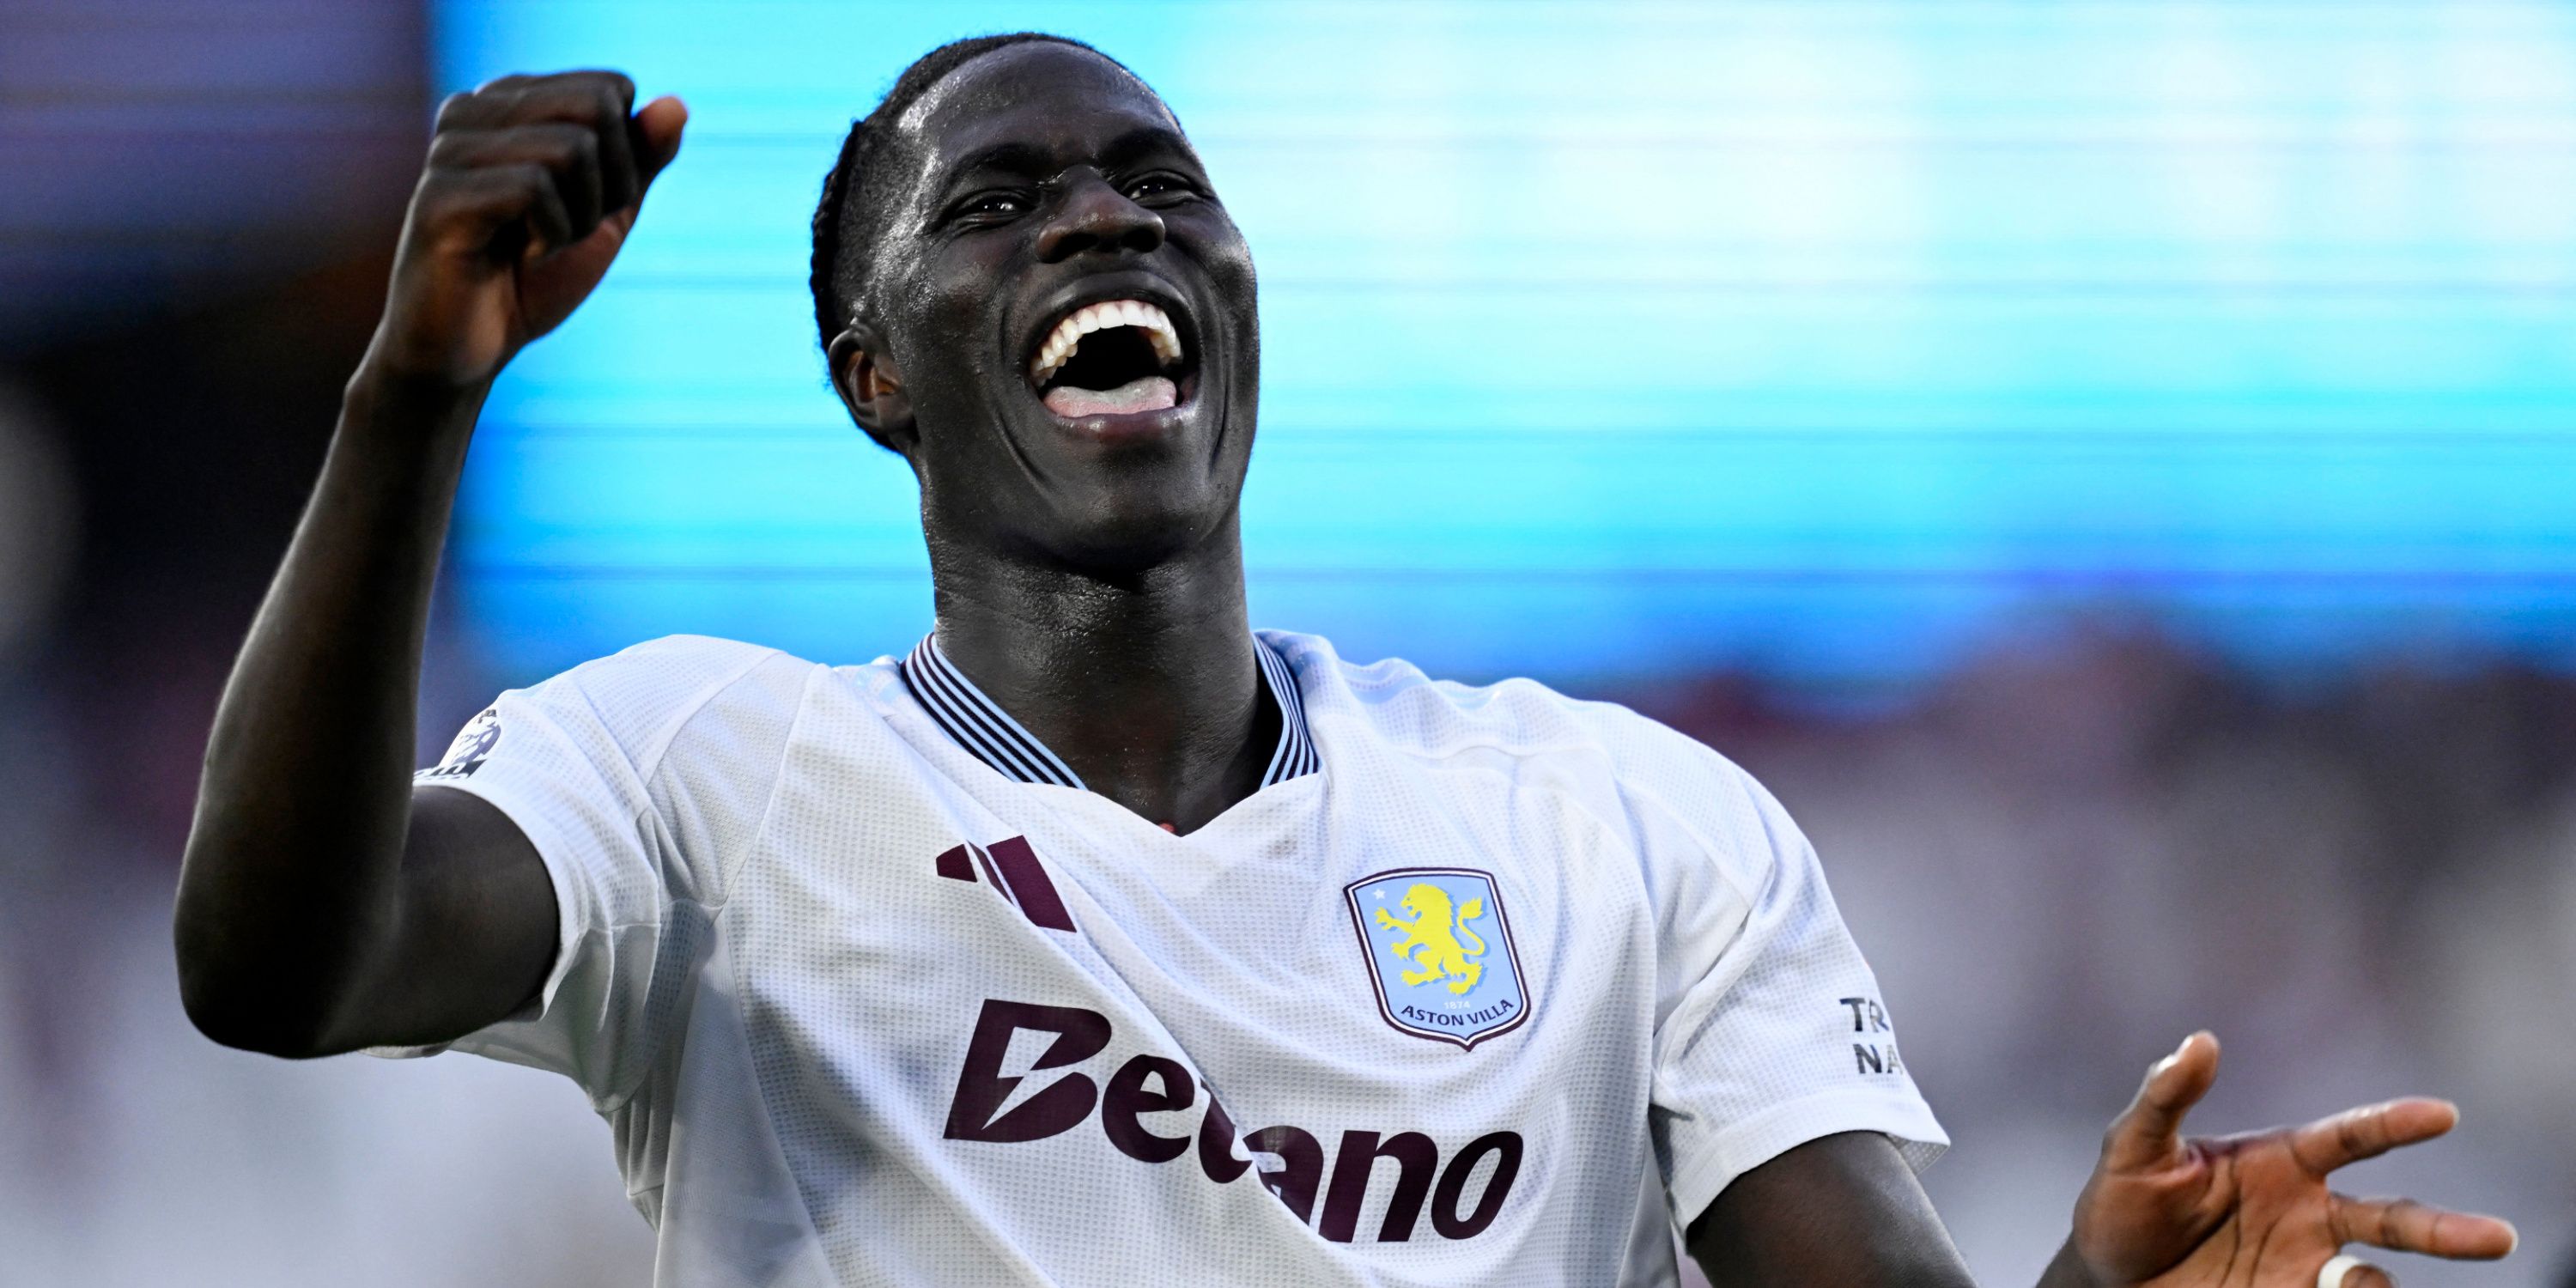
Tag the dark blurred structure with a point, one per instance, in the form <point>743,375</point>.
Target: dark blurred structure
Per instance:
<point>2061,857</point>
<point>201,202</point>
<point>163,153</point>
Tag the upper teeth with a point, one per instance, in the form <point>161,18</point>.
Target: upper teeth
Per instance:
<point>1104,316</point>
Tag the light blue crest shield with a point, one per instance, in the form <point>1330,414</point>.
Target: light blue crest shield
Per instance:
<point>1441,953</point>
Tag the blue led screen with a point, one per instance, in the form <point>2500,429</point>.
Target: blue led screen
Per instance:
<point>1824,339</point>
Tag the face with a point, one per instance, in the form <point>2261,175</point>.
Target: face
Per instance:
<point>1060,326</point>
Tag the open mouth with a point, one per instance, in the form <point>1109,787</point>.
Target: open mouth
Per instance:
<point>1114,358</point>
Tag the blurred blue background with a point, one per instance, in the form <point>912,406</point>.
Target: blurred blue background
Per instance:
<point>2105,465</point>
<point>1829,340</point>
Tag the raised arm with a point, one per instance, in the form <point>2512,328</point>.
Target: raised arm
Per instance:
<point>322,905</point>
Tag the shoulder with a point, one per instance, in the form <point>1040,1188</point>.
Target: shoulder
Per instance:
<point>645,697</point>
<point>1660,784</point>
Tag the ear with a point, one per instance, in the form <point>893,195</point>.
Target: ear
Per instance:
<point>863,373</point>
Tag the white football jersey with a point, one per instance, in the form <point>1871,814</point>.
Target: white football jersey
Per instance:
<point>1483,985</point>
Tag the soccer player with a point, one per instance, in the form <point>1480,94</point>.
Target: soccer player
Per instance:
<point>1100,939</point>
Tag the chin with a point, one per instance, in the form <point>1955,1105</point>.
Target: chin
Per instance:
<point>1121,448</point>
<point>1131,527</point>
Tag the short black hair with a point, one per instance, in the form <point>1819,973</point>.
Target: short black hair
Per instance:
<point>848,218</point>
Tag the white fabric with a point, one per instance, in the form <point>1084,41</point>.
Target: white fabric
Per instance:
<point>778,947</point>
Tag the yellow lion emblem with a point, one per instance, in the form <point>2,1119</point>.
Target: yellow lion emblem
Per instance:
<point>1432,940</point>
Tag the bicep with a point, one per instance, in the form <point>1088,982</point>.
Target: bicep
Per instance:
<point>474,936</point>
<point>1841,1209</point>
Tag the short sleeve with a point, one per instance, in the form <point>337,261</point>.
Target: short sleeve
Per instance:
<point>582,763</point>
<point>1770,1030</point>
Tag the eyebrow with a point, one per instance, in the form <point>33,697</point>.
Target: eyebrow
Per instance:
<point>1016,157</point>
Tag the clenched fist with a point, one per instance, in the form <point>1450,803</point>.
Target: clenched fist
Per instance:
<point>531,186</point>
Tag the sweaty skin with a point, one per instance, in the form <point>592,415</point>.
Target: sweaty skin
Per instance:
<point>1080,565</point>
<point>1094,566</point>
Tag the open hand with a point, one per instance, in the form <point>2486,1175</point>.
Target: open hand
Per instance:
<point>2253,1210</point>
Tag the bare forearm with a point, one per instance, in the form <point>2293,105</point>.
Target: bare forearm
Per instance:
<point>294,862</point>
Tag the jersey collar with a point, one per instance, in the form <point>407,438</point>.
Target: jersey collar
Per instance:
<point>983,728</point>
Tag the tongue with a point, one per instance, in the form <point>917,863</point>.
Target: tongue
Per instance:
<point>1151,393</point>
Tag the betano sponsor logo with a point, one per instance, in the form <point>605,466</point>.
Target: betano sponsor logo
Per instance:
<point>1152,1084</point>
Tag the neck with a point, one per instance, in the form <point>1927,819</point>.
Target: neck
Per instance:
<point>1143,683</point>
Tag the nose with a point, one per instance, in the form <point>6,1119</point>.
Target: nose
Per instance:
<point>1092,216</point>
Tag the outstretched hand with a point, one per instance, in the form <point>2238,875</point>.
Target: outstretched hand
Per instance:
<point>2252,1210</point>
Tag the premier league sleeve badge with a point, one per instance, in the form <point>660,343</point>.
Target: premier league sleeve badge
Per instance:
<point>473,745</point>
<point>1440,953</point>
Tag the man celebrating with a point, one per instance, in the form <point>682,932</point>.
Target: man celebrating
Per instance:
<point>1099,940</point>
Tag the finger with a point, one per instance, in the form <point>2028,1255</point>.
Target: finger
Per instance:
<point>2366,1275</point>
<point>2404,1225</point>
<point>582,86</point>
<point>2149,1131</point>
<point>489,200</point>
<point>467,211</point>
<point>596,101</point>
<point>584,103</point>
<point>620,179</point>
<point>569,153</point>
<point>657,135</point>
<point>2369,1131</point>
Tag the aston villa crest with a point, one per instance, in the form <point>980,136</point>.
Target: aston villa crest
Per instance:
<point>1440,952</point>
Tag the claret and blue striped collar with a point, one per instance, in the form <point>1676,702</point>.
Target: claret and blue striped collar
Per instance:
<point>982,727</point>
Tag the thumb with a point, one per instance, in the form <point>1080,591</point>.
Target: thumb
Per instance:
<point>2149,1131</point>
<point>657,134</point>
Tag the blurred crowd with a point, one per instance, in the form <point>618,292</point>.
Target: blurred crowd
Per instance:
<point>2070,854</point>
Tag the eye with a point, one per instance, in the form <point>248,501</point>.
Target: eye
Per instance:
<point>1160,190</point>
<point>991,207</point>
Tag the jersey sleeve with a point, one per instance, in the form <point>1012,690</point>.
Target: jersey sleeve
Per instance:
<point>1770,1029</point>
<point>635,777</point>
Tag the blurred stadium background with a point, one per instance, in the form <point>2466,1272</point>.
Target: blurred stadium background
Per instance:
<point>2107,466</point>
